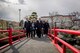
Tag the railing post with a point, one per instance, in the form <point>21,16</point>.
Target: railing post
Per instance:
<point>49,31</point>
<point>55,35</point>
<point>64,49</point>
<point>10,36</point>
<point>19,36</point>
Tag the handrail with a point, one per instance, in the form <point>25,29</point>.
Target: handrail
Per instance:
<point>10,37</point>
<point>68,45</point>
<point>4,38</point>
<point>64,44</point>
<point>68,31</point>
<point>4,30</point>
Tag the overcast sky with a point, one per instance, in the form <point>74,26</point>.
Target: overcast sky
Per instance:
<point>9,8</point>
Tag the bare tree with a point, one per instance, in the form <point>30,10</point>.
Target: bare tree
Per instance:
<point>52,14</point>
<point>74,16</point>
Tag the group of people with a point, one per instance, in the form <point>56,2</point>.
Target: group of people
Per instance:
<point>37,27</point>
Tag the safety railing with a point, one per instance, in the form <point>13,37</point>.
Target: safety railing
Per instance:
<point>55,39</point>
<point>10,37</point>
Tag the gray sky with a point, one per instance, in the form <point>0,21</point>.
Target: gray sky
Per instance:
<point>9,8</point>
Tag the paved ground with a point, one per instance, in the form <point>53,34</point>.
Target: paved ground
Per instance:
<point>36,45</point>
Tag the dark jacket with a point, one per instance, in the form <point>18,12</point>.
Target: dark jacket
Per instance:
<point>27,25</point>
<point>39,25</point>
<point>46,25</point>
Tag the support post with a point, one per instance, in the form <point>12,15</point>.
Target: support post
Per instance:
<point>64,49</point>
<point>55,35</point>
<point>10,36</point>
<point>19,37</point>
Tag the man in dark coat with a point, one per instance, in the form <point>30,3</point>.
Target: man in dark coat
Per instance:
<point>27,26</point>
<point>41,23</point>
<point>38,28</point>
<point>46,27</point>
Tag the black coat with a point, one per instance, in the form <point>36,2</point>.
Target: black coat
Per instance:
<point>39,25</point>
<point>27,25</point>
<point>46,25</point>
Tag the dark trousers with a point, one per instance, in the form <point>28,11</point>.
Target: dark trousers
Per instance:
<point>38,31</point>
<point>46,31</point>
<point>28,33</point>
<point>42,32</point>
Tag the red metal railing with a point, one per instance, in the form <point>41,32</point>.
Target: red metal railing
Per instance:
<point>55,40</point>
<point>10,37</point>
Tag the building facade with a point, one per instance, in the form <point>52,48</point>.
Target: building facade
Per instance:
<point>60,20</point>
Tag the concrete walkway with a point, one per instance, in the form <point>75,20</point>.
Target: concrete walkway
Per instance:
<point>35,45</point>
